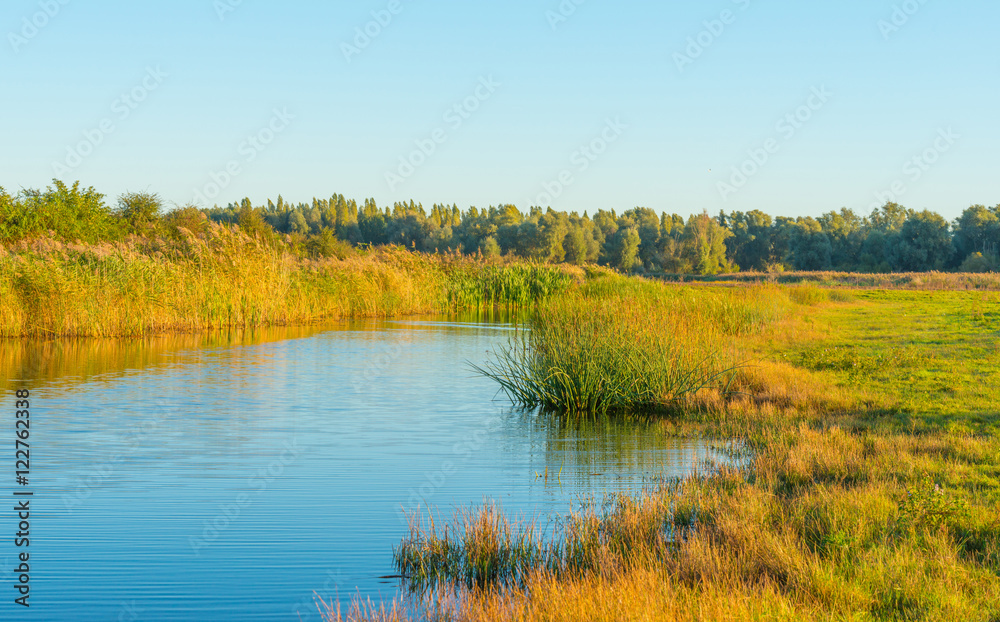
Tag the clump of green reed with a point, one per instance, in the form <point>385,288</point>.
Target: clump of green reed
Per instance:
<point>650,349</point>
<point>479,286</point>
<point>482,547</point>
<point>740,311</point>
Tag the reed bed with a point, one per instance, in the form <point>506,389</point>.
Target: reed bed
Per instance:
<point>482,547</point>
<point>224,278</point>
<point>622,347</point>
<point>479,547</point>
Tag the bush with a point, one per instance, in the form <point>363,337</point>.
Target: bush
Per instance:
<point>140,210</point>
<point>189,218</point>
<point>977,262</point>
<point>70,213</point>
<point>326,244</point>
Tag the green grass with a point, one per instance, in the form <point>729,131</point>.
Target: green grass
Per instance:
<point>625,346</point>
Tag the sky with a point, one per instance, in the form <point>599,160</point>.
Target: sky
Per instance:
<point>792,108</point>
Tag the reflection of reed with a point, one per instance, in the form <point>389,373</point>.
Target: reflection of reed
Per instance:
<point>46,362</point>
<point>604,448</point>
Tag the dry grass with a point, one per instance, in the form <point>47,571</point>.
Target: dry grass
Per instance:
<point>946,281</point>
<point>223,278</point>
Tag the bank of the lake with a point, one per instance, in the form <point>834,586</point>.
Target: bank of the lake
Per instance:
<point>223,278</point>
<point>872,490</point>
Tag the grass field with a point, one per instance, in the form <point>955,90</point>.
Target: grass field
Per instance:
<point>872,490</point>
<point>951,281</point>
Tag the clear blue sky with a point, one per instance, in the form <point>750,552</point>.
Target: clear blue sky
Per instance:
<point>555,86</point>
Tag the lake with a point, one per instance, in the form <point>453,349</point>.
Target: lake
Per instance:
<point>231,475</point>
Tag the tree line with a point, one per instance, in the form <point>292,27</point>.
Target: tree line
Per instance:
<point>890,239</point>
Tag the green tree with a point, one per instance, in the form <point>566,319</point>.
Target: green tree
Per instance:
<point>703,246</point>
<point>140,210</point>
<point>623,248</point>
<point>977,230</point>
<point>489,248</point>
<point>372,224</point>
<point>751,246</point>
<point>70,212</point>
<point>297,222</point>
<point>810,246</point>
<point>845,231</point>
<point>923,243</point>
<point>648,226</point>
<point>575,245</point>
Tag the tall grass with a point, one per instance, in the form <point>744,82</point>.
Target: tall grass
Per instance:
<point>223,278</point>
<point>483,548</point>
<point>508,286</point>
<point>479,548</point>
<point>622,346</point>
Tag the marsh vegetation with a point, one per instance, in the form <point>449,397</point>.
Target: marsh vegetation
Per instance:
<point>870,488</point>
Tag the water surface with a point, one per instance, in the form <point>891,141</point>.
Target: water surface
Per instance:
<point>230,476</point>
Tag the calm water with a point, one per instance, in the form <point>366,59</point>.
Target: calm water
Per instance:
<point>228,477</point>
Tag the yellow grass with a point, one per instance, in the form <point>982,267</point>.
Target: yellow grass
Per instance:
<point>222,278</point>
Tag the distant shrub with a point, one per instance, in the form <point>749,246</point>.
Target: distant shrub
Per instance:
<point>977,262</point>
<point>188,218</point>
<point>140,211</point>
<point>490,248</point>
<point>327,244</point>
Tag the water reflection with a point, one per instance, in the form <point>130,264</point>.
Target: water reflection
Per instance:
<point>229,475</point>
